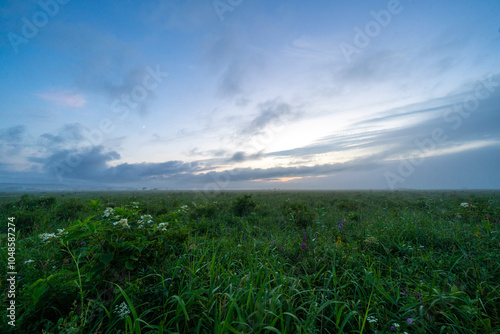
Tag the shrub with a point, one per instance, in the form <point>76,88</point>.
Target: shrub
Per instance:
<point>300,213</point>
<point>243,205</point>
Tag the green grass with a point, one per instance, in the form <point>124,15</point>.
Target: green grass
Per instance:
<point>261,262</point>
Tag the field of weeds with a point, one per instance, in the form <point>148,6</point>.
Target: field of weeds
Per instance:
<point>253,262</point>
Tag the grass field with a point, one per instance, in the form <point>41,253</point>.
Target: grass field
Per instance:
<point>254,262</point>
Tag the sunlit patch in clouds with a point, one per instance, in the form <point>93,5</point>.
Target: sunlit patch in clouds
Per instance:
<point>63,98</point>
<point>280,179</point>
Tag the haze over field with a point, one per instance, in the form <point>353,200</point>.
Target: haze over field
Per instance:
<point>240,94</point>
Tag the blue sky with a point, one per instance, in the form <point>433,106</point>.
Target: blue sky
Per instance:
<point>251,94</point>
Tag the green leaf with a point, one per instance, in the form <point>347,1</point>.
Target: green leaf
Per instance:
<point>106,258</point>
<point>74,235</point>
<point>129,265</point>
<point>91,227</point>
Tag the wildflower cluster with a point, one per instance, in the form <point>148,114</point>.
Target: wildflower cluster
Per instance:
<point>122,222</point>
<point>340,225</point>
<point>108,212</point>
<point>145,219</point>
<point>47,237</point>
<point>61,232</point>
<point>304,244</point>
<point>122,310</point>
<point>162,226</point>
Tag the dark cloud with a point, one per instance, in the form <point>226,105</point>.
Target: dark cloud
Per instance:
<point>273,112</point>
<point>143,171</point>
<point>13,134</point>
<point>86,163</point>
<point>50,138</point>
<point>231,81</point>
<point>12,141</point>
<point>242,156</point>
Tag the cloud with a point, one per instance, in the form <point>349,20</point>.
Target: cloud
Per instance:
<point>12,141</point>
<point>13,134</point>
<point>231,81</point>
<point>64,98</point>
<point>272,112</point>
<point>144,171</point>
<point>87,163</point>
<point>373,67</point>
<point>236,66</point>
<point>242,156</point>
<point>104,61</point>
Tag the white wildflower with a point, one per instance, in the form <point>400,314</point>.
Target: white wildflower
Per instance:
<point>108,212</point>
<point>61,231</point>
<point>372,319</point>
<point>122,222</point>
<point>147,218</point>
<point>464,205</point>
<point>162,226</point>
<point>122,310</point>
<point>184,208</point>
<point>47,236</point>
<point>395,324</point>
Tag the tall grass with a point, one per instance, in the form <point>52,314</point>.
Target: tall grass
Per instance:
<point>279,262</point>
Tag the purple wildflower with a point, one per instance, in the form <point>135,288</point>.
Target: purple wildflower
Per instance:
<point>393,328</point>
<point>405,292</point>
<point>410,320</point>
<point>305,237</point>
<point>340,225</point>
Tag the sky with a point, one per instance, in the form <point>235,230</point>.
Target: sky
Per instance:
<point>242,94</point>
